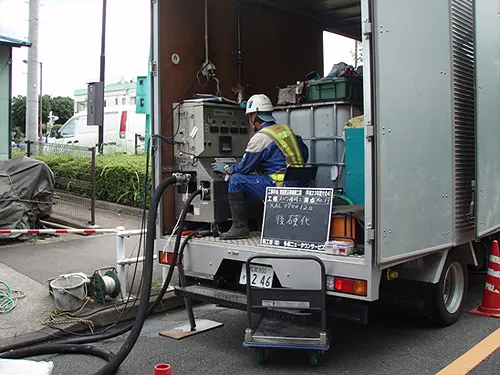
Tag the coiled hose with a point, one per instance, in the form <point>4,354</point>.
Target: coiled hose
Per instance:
<point>74,346</point>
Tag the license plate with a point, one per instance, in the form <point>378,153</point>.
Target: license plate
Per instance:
<point>260,276</point>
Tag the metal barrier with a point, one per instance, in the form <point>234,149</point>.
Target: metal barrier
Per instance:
<point>57,231</point>
<point>76,185</point>
<point>121,234</point>
<point>122,261</point>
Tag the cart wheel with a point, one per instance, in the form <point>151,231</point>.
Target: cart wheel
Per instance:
<point>261,355</point>
<point>313,358</point>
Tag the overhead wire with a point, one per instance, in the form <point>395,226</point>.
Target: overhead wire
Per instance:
<point>180,103</point>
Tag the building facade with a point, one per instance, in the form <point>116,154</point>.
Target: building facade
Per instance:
<point>123,93</point>
<point>6,45</point>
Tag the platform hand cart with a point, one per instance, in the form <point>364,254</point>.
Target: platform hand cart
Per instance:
<point>287,317</point>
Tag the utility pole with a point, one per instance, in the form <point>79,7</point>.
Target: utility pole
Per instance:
<point>101,79</point>
<point>41,105</point>
<point>356,50</point>
<point>32,89</point>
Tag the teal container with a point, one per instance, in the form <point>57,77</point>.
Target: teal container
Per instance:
<point>355,165</point>
<point>334,88</point>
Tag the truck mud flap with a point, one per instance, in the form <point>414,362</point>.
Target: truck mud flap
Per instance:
<point>409,297</point>
<point>348,309</point>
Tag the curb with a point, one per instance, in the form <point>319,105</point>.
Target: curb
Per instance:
<point>100,319</point>
<point>68,223</point>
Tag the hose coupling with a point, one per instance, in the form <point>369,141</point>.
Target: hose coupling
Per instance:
<point>182,178</point>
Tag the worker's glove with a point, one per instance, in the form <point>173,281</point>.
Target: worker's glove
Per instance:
<point>220,167</point>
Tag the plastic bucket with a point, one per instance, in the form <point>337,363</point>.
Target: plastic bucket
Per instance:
<point>69,292</point>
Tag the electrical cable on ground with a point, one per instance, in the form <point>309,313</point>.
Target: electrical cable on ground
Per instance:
<point>141,236</point>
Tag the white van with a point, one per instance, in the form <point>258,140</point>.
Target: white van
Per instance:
<point>123,130</point>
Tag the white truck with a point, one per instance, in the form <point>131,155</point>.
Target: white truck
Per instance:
<point>124,131</point>
<point>431,88</point>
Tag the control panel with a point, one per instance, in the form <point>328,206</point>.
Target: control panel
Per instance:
<point>207,132</point>
<point>207,129</point>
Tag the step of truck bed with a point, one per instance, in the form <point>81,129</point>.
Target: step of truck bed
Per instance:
<point>226,298</point>
<point>231,299</point>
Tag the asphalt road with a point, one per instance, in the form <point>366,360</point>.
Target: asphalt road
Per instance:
<point>390,344</point>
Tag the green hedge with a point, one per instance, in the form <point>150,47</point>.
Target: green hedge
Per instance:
<point>119,177</point>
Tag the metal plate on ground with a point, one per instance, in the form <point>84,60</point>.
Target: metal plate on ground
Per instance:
<point>181,332</point>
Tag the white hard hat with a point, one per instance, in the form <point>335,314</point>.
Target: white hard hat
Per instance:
<point>261,105</point>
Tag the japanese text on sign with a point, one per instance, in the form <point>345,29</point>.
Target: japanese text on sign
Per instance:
<point>297,218</point>
<point>293,244</point>
<point>293,220</point>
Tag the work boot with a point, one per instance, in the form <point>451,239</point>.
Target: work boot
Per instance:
<point>239,212</point>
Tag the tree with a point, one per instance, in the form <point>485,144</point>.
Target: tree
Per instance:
<point>62,107</point>
<point>46,108</point>
<point>59,105</point>
<point>19,112</point>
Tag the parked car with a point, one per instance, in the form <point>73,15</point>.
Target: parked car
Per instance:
<point>123,130</point>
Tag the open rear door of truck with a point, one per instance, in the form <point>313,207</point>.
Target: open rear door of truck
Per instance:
<point>422,186</point>
<point>488,116</point>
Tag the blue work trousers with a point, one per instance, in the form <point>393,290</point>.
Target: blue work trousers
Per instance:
<point>252,184</point>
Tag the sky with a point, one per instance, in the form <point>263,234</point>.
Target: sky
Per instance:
<point>70,42</point>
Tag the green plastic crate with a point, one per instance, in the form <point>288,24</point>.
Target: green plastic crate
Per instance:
<point>335,88</point>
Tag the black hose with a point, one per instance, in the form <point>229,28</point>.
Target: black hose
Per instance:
<point>115,361</point>
<point>121,331</point>
<point>142,314</point>
<point>90,339</point>
<point>59,349</point>
<point>198,232</point>
<point>179,233</point>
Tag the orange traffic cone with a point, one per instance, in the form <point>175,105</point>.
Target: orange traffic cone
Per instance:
<point>491,295</point>
<point>163,369</point>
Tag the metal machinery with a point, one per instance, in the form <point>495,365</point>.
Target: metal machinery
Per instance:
<point>207,132</point>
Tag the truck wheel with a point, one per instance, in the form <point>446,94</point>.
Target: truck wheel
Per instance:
<point>450,292</point>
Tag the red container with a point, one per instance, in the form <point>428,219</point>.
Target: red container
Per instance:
<point>163,369</point>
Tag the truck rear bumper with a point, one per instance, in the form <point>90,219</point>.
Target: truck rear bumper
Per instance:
<point>204,259</point>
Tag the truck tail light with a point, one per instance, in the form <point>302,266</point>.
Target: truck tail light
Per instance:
<point>347,285</point>
<point>166,257</point>
<point>123,125</point>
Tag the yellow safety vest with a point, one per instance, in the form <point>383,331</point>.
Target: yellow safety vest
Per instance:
<point>285,139</point>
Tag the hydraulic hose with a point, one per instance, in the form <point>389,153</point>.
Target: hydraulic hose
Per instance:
<point>201,233</point>
<point>142,314</point>
<point>115,361</point>
<point>59,349</point>
<point>90,339</point>
<point>121,331</point>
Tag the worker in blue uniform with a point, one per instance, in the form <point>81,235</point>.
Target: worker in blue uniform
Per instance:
<point>272,148</point>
